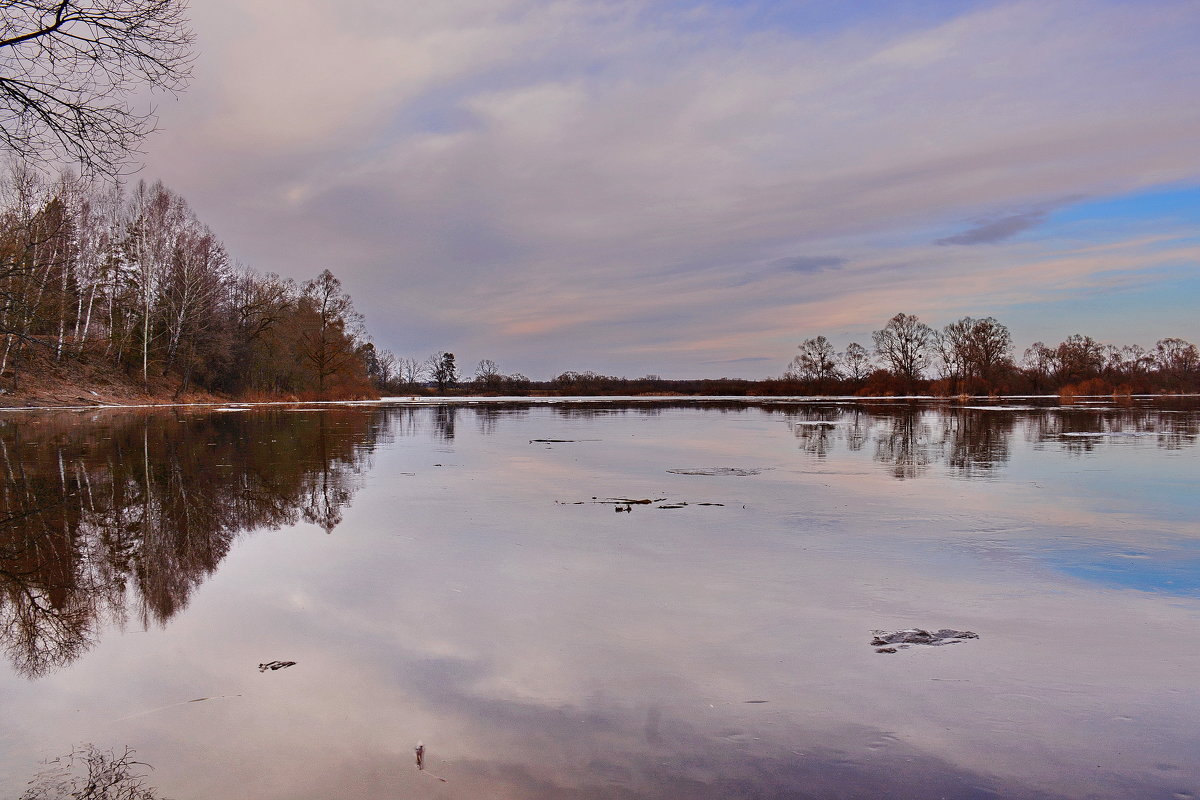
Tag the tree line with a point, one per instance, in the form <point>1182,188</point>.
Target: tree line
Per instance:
<point>975,356</point>
<point>98,280</point>
<point>132,282</point>
<point>906,356</point>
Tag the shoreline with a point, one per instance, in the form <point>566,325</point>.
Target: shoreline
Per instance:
<point>985,402</point>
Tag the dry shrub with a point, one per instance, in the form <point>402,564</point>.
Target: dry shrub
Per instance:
<point>1092,387</point>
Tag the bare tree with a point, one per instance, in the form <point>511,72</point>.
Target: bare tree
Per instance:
<point>976,348</point>
<point>486,369</point>
<point>409,370</point>
<point>856,362</point>
<point>1041,362</point>
<point>97,227</point>
<point>155,217</point>
<point>816,361</point>
<point>330,327</point>
<point>904,343</point>
<point>1177,360</point>
<point>441,368</point>
<point>385,362</point>
<point>194,284</point>
<point>36,261</point>
<point>1079,358</point>
<point>1130,362</point>
<point>69,67</point>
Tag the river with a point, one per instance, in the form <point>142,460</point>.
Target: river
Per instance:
<point>640,599</point>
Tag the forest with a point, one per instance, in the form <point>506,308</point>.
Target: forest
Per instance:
<point>133,286</point>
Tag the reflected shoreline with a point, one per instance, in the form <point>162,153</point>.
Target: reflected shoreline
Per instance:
<point>1185,401</point>
<point>119,515</point>
<point>124,516</point>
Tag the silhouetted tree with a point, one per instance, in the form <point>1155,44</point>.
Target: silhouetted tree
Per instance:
<point>976,349</point>
<point>69,67</point>
<point>442,369</point>
<point>487,376</point>
<point>409,370</point>
<point>856,362</point>
<point>1079,358</point>
<point>1178,362</point>
<point>816,361</point>
<point>904,344</point>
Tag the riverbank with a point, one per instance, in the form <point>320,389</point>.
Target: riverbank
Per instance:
<point>82,385</point>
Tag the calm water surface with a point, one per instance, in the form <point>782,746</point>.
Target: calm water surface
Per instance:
<point>470,578</point>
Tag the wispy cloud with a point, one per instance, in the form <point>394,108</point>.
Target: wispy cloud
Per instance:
<point>997,230</point>
<point>514,179</point>
<point>808,264</point>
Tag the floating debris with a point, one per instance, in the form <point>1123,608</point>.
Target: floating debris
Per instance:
<point>719,471</point>
<point>1102,434</point>
<point>274,665</point>
<point>626,504</point>
<point>215,697</point>
<point>420,752</point>
<point>918,636</point>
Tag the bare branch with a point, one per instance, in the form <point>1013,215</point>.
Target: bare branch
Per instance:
<point>68,70</point>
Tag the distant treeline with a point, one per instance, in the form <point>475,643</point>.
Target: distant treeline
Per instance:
<point>975,356</point>
<point>969,356</point>
<point>132,283</point>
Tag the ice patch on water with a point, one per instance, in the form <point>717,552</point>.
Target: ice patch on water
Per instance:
<point>1105,434</point>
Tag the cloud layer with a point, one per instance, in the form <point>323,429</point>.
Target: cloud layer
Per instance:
<point>660,187</point>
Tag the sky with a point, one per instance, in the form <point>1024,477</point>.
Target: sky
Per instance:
<point>690,189</point>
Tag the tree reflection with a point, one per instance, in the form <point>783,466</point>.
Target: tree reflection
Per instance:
<point>905,442</point>
<point>975,442</point>
<point>1082,430</point>
<point>908,439</point>
<point>129,515</point>
<point>443,421</point>
<point>89,773</point>
<point>817,431</point>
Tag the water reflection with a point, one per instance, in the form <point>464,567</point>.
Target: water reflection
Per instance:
<point>974,442</point>
<point>128,515</point>
<point>92,773</point>
<point>443,422</point>
<point>1081,430</point>
<point>541,648</point>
